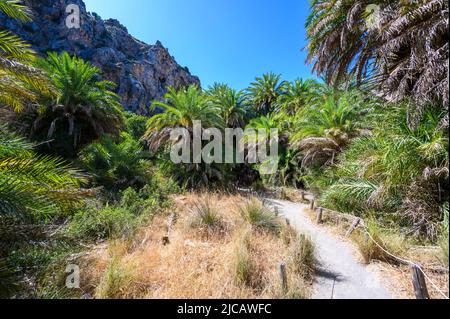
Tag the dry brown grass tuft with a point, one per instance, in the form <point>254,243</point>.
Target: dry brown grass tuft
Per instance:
<point>204,261</point>
<point>389,240</point>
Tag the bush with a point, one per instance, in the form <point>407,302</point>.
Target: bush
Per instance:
<point>136,125</point>
<point>206,215</point>
<point>247,270</point>
<point>302,258</point>
<point>117,165</point>
<point>107,222</point>
<point>134,208</point>
<point>394,169</point>
<point>255,213</point>
<point>389,241</point>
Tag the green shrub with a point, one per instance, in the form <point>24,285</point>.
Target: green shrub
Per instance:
<point>206,215</point>
<point>107,222</point>
<point>117,165</point>
<point>302,259</point>
<point>136,125</point>
<point>389,240</point>
<point>394,169</point>
<point>255,213</point>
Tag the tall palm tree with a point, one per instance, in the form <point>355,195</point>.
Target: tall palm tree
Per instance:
<point>83,107</point>
<point>18,80</point>
<point>265,91</point>
<point>181,109</point>
<point>35,187</point>
<point>401,45</point>
<point>232,103</point>
<point>297,95</point>
<point>323,130</point>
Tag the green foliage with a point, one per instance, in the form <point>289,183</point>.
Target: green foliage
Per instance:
<point>135,208</point>
<point>32,186</point>
<point>181,109</point>
<point>264,93</point>
<point>82,108</point>
<point>107,222</point>
<point>19,81</point>
<point>136,125</point>
<point>233,105</point>
<point>206,215</point>
<point>258,215</point>
<point>395,169</point>
<point>380,43</point>
<point>117,165</point>
<point>298,95</point>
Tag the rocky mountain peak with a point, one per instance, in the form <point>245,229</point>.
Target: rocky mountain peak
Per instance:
<point>142,72</point>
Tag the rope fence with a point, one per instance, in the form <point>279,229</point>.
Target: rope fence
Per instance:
<point>420,289</point>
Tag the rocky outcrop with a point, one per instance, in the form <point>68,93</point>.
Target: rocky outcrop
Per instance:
<point>142,72</point>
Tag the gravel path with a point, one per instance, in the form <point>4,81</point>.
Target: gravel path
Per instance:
<point>339,275</point>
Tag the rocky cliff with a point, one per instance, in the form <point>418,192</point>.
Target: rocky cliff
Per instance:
<point>141,71</point>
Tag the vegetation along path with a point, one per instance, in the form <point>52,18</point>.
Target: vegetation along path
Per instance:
<point>339,274</point>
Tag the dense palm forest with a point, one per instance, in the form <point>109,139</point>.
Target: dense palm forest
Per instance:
<point>370,138</point>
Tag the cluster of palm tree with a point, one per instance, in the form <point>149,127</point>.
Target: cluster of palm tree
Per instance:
<point>358,144</point>
<point>315,121</point>
<point>58,94</point>
<point>401,47</point>
<point>397,173</point>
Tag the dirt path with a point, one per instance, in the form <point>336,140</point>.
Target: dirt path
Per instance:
<point>340,275</point>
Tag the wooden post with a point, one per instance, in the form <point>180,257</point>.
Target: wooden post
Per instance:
<point>166,239</point>
<point>353,227</point>
<point>319,215</point>
<point>283,276</point>
<point>313,203</point>
<point>366,237</point>
<point>288,222</point>
<point>420,286</point>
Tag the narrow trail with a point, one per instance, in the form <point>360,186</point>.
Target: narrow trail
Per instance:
<point>340,275</point>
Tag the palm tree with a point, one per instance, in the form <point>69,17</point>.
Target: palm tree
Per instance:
<point>35,187</point>
<point>18,80</point>
<point>231,102</point>
<point>83,107</point>
<point>253,140</point>
<point>265,91</point>
<point>181,109</point>
<point>117,165</point>
<point>397,169</point>
<point>401,45</point>
<point>298,94</point>
<point>323,130</point>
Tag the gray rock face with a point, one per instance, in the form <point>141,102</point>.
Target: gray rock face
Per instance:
<point>142,72</point>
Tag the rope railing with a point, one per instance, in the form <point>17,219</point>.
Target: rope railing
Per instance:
<point>367,232</point>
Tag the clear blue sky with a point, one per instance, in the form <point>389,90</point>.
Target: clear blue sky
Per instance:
<point>229,41</point>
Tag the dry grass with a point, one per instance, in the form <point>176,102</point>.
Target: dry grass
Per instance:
<point>397,277</point>
<point>213,253</point>
<point>390,241</point>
